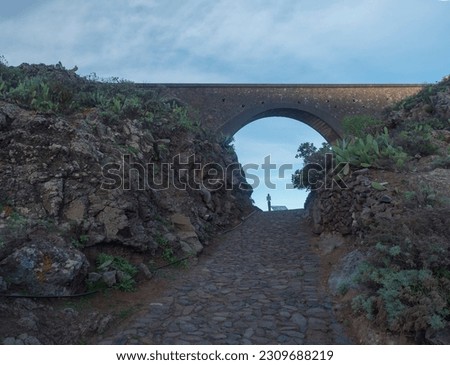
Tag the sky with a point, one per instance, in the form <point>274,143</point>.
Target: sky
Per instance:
<point>235,41</point>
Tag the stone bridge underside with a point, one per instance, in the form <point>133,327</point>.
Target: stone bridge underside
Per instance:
<point>226,108</point>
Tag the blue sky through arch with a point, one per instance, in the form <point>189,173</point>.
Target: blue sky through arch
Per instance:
<point>279,138</point>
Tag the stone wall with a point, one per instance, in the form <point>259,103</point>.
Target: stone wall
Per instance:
<point>353,209</point>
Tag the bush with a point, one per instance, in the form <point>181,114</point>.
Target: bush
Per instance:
<point>370,151</point>
<point>34,92</point>
<point>403,297</point>
<point>438,124</point>
<point>359,125</point>
<point>422,195</point>
<point>56,89</point>
<point>407,276</point>
<point>416,138</point>
<point>109,262</point>
<point>167,253</point>
<point>442,162</point>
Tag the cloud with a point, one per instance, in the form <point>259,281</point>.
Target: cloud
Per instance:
<point>221,41</point>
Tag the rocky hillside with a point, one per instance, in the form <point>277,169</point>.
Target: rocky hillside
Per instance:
<point>100,181</point>
<point>393,208</point>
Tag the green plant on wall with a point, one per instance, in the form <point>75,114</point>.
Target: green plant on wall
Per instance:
<point>369,151</point>
<point>183,119</point>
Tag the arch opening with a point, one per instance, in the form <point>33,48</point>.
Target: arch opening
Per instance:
<point>321,121</point>
<point>266,148</point>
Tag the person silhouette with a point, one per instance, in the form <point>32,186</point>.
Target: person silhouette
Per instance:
<point>269,205</point>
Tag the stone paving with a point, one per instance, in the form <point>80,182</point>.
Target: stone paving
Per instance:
<point>257,285</point>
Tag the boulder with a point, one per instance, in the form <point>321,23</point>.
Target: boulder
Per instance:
<point>94,277</point>
<point>183,226</point>
<point>109,277</point>
<point>386,199</point>
<point>122,276</point>
<point>41,268</point>
<point>143,268</point>
<point>75,211</point>
<point>191,247</point>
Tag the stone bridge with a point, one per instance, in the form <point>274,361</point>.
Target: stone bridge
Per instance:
<point>226,108</point>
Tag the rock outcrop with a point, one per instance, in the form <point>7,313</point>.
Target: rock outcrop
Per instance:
<point>396,218</point>
<point>94,183</point>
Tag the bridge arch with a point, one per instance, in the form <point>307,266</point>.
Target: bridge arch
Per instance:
<point>321,121</point>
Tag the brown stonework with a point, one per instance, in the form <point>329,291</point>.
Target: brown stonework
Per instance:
<point>226,108</point>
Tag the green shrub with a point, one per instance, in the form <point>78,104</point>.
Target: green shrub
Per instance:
<point>16,227</point>
<point>369,151</point>
<point>167,254</point>
<point>407,276</point>
<point>416,138</point>
<point>359,125</point>
<point>55,89</point>
<point>423,195</point>
<point>442,162</point>
<point>364,304</point>
<point>184,120</point>
<point>80,242</point>
<point>308,177</point>
<point>109,262</point>
<point>438,124</point>
<point>314,164</point>
<point>400,291</point>
<point>36,93</point>
<point>116,263</point>
<point>343,288</point>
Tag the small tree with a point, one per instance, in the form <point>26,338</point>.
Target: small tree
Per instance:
<point>313,165</point>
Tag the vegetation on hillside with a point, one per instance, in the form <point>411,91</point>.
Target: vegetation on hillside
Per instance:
<point>54,89</point>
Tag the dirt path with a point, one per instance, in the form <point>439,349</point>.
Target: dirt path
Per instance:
<point>258,285</point>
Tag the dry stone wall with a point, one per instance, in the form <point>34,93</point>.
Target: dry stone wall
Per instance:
<point>353,209</point>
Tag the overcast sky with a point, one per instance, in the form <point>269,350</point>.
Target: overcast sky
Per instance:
<point>252,41</point>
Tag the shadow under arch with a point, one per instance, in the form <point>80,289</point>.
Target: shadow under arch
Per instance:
<point>324,123</point>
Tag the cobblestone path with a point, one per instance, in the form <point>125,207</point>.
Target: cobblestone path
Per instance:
<point>257,285</point>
